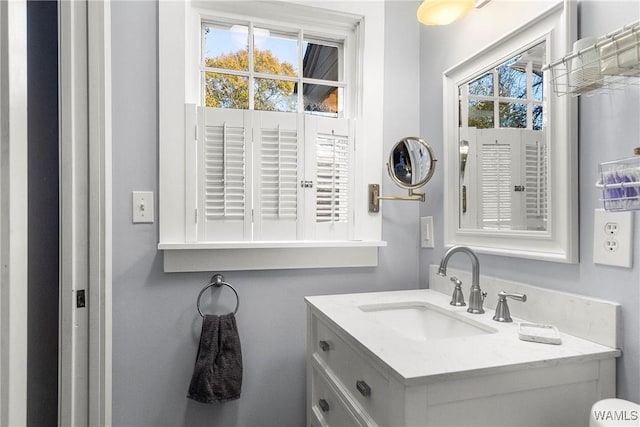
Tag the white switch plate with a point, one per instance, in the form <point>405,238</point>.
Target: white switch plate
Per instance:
<point>426,232</point>
<point>142,206</point>
<point>613,238</point>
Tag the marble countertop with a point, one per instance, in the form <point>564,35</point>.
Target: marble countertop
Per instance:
<point>418,362</point>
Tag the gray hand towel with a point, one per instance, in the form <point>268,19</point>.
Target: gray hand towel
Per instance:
<point>217,374</point>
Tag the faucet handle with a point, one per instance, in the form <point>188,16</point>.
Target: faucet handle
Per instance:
<point>514,295</point>
<point>502,309</point>
<point>457,298</point>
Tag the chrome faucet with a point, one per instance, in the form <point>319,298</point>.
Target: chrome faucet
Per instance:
<point>476,296</point>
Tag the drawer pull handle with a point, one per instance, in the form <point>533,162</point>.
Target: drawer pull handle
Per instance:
<point>363,388</point>
<point>324,405</point>
<point>324,346</point>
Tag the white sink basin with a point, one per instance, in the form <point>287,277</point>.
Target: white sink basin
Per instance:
<point>421,321</point>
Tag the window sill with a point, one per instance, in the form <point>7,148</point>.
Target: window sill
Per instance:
<point>268,255</point>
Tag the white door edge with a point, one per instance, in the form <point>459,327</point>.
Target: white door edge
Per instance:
<point>85,176</point>
<point>13,213</point>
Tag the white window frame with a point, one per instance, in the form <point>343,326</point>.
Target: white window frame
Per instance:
<point>342,40</point>
<point>177,21</point>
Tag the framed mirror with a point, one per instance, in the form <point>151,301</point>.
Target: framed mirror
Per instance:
<point>510,146</point>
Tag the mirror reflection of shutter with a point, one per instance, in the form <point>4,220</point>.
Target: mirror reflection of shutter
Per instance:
<point>496,183</point>
<point>278,174</point>
<point>535,179</point>
<point>224,208</point>
<point>329,142</point>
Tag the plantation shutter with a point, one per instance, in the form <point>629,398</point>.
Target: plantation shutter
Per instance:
<point>496,186</point>
<point>329,167</point>
<point>224,158</point>
<point>277,144</point>
<point>535,180</point>
<point>275,176</point>
<point>497,150</point>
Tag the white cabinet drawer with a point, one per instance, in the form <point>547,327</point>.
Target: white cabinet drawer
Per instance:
<point>328,410</point>
<point>362,381</point>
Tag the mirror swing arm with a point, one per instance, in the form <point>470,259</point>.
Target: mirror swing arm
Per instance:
<point>375,197</point>
<point>411,165</point>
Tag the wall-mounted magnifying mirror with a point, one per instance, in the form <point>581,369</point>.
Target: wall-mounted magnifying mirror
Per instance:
<point>411,165</point>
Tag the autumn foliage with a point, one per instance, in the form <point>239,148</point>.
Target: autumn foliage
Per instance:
<point>232,91</point>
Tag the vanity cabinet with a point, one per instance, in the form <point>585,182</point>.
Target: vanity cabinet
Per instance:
<point>339,373</point>
<point>350,384</point>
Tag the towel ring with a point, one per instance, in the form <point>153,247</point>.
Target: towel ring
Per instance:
<point>217,280</point>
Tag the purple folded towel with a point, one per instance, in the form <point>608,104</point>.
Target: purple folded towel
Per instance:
<point>217,374</point>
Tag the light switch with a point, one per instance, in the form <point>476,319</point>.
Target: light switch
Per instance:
<point>142,206</point>
<point>426,232</point>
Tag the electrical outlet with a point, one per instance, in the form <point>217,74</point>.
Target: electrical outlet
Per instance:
<point>611,245</point>
<point>612,238</point>
<point>611,228</point>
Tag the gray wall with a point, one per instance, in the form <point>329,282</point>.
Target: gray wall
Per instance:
<point>155,323</point>
<point>609,129</point>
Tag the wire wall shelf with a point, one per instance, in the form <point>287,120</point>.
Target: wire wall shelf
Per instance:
<point>611,62</point>
<point>620,184</point>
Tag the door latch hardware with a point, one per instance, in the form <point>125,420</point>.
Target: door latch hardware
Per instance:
<point>324,405</point>
<point>80,299</point>
<point>363,388</point>
<point>324,345</point>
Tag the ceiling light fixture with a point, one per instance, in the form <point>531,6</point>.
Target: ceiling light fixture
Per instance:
<point>443,12</point>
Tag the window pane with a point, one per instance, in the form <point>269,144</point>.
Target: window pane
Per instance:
<point>512,78</point>
<point>513,115</point>
<point>536,55</point>
<point>323,100</point>
<point>226,91</point>
<point>481,114</point>
<point>225,47</point>
<point>482,85</point>
<point>537,117</point>
<point>274,95</point>
<point>320,62</point>
<point>536,86</point>
<point>275,53</point>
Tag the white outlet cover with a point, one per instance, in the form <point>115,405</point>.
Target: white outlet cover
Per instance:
<point>613,238</point>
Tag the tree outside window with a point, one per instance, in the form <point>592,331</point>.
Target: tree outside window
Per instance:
<point>231,75</point>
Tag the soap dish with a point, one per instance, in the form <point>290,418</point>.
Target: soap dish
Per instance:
<point>536,332</point>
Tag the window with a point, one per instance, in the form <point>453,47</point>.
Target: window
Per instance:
<point>287,70</point>
<point>267,148</point>
<point>509,96</point>
<point>255,148</point>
